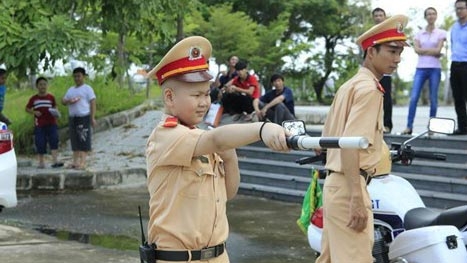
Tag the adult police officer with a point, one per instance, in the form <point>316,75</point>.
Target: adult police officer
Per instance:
<point>357,110</point>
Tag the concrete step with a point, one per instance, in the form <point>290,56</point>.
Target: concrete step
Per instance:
<point>276,166</point>
<point>436,183</point>
<point>271,192</point>
<point>430,198</point>
<point>434,168</point>
<point>442,200</point>
<point>251,161</point>
<point>261,152</point>
<point>437,142</point>
<point>276,180</point>
<point>441,183</point>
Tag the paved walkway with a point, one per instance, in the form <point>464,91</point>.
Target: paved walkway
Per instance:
<point>118,150</point>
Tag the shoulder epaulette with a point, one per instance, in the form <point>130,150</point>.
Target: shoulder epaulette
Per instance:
<point>170,122</point>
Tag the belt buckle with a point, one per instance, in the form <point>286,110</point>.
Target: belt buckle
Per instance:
<point>207,253</point>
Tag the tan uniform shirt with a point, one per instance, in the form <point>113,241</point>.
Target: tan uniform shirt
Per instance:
<point>187,206</point>
<point>357,111</point>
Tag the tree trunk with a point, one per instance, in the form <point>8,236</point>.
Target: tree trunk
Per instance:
<point>121,58</point>
<point>180,33</point>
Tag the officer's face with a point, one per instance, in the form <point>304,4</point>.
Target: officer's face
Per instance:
<point>385,60</point>
<point>189,101</point>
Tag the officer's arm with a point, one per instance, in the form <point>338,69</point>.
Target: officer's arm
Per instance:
<point>358,216</point>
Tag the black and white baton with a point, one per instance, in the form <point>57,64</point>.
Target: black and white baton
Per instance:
<point>303,142</point>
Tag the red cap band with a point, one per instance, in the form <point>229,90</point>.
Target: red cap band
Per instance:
<point>385,36</point>
<point>181,66</point>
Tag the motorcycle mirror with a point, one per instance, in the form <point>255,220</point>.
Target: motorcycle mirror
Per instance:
<point>295,127</point>
<point>441,125</point>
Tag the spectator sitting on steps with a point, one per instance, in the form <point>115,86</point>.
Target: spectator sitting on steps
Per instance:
<point>277,104</point>
<point>239,93</point>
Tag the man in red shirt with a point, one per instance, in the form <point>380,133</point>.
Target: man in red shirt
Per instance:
<point>240,92</point>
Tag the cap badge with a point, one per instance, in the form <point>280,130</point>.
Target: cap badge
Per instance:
<point>195,53</point>
<point>400,28</point>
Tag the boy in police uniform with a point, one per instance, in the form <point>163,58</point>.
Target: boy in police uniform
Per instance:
<point>357,110</point>
<point>192,173</point>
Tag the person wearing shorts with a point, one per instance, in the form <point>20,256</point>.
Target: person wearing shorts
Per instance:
<point>81,102</point>
<point>44,109</point>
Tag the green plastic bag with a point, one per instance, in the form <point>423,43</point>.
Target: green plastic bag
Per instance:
<point>312,200</point>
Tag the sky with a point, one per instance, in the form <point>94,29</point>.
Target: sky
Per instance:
<point>414,10</point>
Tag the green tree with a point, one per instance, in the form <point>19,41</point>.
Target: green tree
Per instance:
<point>32,33</point>
<point>331,22</point>
<point>125,18</point>
<point>230,33</point>
<point>261,11</point>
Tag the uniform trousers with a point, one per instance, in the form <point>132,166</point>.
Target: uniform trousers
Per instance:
<point>339,243</point>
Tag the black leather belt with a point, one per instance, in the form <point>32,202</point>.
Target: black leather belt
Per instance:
<point>203,254</point>
<point>363,173</point>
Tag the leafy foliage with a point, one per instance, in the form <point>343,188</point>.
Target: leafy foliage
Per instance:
<point>234,33</point>
<point>31,35</point>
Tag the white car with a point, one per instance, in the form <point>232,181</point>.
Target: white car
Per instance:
<point>8,168</point>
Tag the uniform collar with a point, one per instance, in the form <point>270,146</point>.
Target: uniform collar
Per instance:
<point>368,72</point>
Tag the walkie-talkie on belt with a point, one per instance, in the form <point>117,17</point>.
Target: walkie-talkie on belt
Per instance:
<point>147,253</point>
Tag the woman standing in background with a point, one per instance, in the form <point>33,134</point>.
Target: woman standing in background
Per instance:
<point>428,43</point>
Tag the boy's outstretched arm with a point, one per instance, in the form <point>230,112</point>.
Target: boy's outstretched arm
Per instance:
<point>236,135</point>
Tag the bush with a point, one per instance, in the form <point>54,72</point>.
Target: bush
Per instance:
<point>109,99</point>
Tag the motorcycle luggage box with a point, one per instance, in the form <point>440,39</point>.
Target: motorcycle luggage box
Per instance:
<point>440,244</point>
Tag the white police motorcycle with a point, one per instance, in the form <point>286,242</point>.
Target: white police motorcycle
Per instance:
<point>405,230</point>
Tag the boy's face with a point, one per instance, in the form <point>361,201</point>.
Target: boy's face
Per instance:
<point>189,102</point>
<point>242,73</point>
<point>78,77</point>
<point>2,79</point>
<point>42,87</point>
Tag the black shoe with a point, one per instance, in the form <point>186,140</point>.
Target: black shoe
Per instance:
<point>459,132</point>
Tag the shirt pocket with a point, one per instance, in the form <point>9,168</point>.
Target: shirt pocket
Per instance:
<point>197,179</point>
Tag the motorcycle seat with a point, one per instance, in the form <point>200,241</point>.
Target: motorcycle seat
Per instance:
<point>422,216</point>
